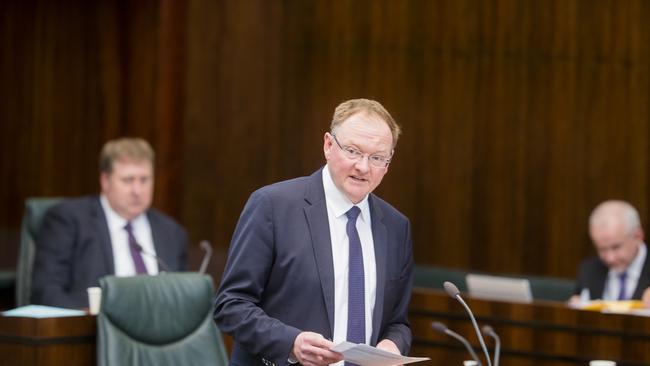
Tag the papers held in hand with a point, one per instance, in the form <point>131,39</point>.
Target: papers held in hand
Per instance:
<point>365,355</point>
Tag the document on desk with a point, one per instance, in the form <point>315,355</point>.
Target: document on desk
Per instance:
<point>365,355</point>
<point>41,311</point>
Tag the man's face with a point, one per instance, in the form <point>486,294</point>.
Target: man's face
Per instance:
<point>129,187</point>
<point>616,246</point>
<point>368,134</point>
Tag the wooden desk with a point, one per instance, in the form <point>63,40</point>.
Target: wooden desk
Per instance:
<point>51,341</point>
<point>542,333</point>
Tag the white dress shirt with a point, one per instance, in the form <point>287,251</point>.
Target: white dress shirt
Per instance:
<point>337,205</point>
<point>122,259</point>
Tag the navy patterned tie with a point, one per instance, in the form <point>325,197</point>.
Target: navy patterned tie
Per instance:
<point>135,251</point>
<point>356,288</point>
<point>622,277</point>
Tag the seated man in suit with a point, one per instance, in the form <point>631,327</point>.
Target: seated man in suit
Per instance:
<point>117,232</point>
<point>318,260</point>
<point>621,271</point>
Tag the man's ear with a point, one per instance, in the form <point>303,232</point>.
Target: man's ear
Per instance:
<point>103,181</point>
<point>327,145</point>
<point>638,233</point>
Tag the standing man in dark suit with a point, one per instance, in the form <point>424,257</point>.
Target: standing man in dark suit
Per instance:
<point>318,260</point>
<point>117,232</point>
<point>621,271</point>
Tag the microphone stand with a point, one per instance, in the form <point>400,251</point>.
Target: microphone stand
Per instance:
<point>207,248</point>
<point>452,291</point>
<point>160,261</point>
<point>497,342</point>
<point>443,329</point>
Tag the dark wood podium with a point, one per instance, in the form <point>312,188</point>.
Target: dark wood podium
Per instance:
<point>541,333</point>
<point>49,341</point>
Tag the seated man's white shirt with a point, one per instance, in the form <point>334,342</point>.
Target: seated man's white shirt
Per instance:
<point>122,259</point>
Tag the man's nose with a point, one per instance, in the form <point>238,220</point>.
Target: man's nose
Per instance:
<point>610,256</point>
<point>136,188</point>
<point>363,164</point>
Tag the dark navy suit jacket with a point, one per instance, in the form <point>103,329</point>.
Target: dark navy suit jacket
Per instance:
<point>73,251</point>
<point>279,277</point>
<point>592,274</point>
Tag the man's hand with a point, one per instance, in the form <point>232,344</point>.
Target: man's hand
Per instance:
<point>312,349</point>
<point>574,301</point>
<point>388,346</point>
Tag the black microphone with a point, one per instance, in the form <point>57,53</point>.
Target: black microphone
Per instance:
<point>160,261</point>
<point>452,290</point>
<point>497,342</point>
<point>207,248</point>
<point>443,329</point>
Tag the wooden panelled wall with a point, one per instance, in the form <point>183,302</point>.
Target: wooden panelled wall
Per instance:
<point>518,116</point>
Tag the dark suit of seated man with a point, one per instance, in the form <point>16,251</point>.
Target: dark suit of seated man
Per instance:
<point>319,260</point>
<point>621,271</point>
<point>117,232</point>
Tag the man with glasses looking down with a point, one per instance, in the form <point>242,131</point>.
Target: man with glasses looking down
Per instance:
<point>318,260</point>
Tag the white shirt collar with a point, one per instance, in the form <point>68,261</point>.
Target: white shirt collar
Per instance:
<point>338,201</point>
<point>114,220</point>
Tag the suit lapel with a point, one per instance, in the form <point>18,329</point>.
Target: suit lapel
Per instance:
<point>644,278</point>
<point>158,239</point>
<point>316,215</point>
<point>598,280</point>
<point>380,240</point>
<point>103,236</point>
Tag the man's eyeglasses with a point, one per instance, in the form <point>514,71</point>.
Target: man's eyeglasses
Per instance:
<point>355,154</point>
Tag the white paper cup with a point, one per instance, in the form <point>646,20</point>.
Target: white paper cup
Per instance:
<point>94,299</point>
<point>470,363</point>
<point>602,363</point>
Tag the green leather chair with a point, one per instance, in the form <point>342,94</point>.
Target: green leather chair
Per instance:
<point>542,288</point>
<point>158,320</point>
<point>435,276</point>
<point>551,288</point>
<point>35,209</point>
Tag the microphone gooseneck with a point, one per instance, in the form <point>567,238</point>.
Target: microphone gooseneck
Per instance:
<point>452,290</point>
<point>497,342</point>
<point>161,263</point>
<point>207,248</point>
<point>438,326</point>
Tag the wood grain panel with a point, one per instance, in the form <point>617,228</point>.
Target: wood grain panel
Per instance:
<point>518,116</point>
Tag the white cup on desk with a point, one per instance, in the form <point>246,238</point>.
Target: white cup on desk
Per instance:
<point>470,363</point>
<point>602,363</point>
<point>94,299</point>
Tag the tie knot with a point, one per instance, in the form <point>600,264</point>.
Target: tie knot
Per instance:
<point>623,276</point>
<point>353,213</point>
<point>128,226</point>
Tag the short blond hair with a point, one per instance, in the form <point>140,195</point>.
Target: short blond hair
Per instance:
<point>125,148</point>
<point>351,107</point>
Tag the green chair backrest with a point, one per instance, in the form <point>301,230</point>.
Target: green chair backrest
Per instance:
<point>35,209</point>
<point>551,288</point>
<point>434,277</point>
<point>158,320</point>
<point>543,288</point>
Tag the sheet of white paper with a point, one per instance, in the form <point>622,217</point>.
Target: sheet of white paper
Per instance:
<point>365,355</point>
<point>40,311</point>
